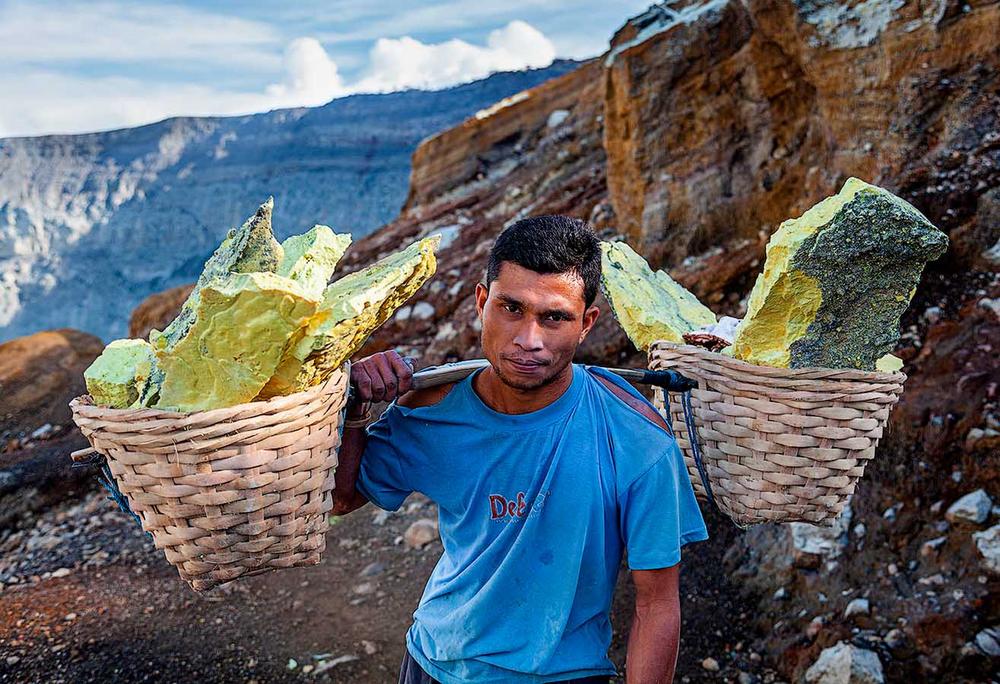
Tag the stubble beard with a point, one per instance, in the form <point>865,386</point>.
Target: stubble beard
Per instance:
<point>527,387</point>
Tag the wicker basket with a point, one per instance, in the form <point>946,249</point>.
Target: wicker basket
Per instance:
<point>779,444</point>
<point>230,492</point>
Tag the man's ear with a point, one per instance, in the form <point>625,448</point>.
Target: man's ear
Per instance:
<point>589,318</point>
<point>482,293</point>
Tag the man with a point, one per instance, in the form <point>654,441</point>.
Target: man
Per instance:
<point>544,472</point>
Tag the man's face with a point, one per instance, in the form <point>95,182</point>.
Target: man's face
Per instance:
<point>532,324</point>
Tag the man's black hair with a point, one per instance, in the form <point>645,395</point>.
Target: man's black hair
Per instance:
<point>550,244</point>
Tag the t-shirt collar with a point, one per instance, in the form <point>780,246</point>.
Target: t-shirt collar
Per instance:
<point>543,416</point>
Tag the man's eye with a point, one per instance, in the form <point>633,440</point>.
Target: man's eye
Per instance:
<point>556,317</point>
<point>510,307</point>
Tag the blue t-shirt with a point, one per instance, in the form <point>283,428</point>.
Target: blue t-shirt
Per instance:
<point>535,510</point>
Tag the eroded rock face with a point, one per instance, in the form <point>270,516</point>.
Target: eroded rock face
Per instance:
<point>496,140</point>
<point>40,374</point>
<point>730,116</point>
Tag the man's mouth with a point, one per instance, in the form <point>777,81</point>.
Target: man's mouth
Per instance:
<point>525,365</point>
<point>523,362</point>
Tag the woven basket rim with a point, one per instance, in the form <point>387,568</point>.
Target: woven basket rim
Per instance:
<point>84,404</point>
<point>804,373</point>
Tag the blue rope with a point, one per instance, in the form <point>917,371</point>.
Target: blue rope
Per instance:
<point>692,438</point>
<point>695,448</point>
<point>108,482</point>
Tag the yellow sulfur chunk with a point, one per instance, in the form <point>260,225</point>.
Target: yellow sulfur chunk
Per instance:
<point>836,281</point>
<point>115,377</point>
<point>309,259</point>
<point>649,306</point>
<point>356,305</point>
<point>250,248</point>
<point>889,364</point>
<point>244,323</point>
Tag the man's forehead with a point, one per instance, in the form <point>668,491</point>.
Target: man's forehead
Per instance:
<point>516,282</point>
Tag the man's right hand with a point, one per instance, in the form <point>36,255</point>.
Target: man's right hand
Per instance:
<point>380,377</point>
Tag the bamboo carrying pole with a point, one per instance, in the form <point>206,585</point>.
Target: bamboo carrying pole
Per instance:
<point>672,381</point>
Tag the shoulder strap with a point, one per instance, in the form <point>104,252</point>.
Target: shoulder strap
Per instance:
<point>633,403</point>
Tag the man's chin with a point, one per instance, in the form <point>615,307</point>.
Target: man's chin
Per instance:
<point>523,385</point>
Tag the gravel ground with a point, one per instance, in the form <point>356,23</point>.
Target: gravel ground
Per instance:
<point>84,596</point>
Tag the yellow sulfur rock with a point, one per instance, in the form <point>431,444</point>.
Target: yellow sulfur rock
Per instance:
<point>115,377</point>
<point>889,364</point>
<point>355,305</point>
<point>836,280</point>
<point>309,259</point>
<point>243,325</point>
<point>649,306</point>
<point>248,249</point>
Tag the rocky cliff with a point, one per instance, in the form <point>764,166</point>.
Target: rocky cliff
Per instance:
<point>92,224</point>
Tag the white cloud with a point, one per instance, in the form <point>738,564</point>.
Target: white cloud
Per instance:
<point>53,102</point>
<point>397,63</point>
<point>48,89</point>
<point>311,77</point>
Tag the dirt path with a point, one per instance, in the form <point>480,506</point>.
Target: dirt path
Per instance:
<point>117,609</point>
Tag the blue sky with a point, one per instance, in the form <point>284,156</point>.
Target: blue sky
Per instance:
<point>79,66</point>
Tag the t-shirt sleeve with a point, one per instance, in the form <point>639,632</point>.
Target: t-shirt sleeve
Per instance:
<point>659,513</point>
<point>381,476</point>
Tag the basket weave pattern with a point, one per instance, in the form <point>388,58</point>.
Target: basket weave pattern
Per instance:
<point>228,492</point>
<point>779,444</point>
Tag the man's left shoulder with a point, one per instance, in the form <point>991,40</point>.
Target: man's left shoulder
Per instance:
<point>639,436</point>
<point>638,406</point>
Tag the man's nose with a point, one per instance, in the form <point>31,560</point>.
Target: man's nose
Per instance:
<point>529,336</point>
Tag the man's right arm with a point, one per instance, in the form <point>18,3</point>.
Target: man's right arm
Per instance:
<point>379,377</point>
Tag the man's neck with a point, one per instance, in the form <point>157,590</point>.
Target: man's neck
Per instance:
<point>503,398</point>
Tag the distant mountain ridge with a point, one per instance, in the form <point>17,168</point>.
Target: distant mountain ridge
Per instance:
<point>91,224</point>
